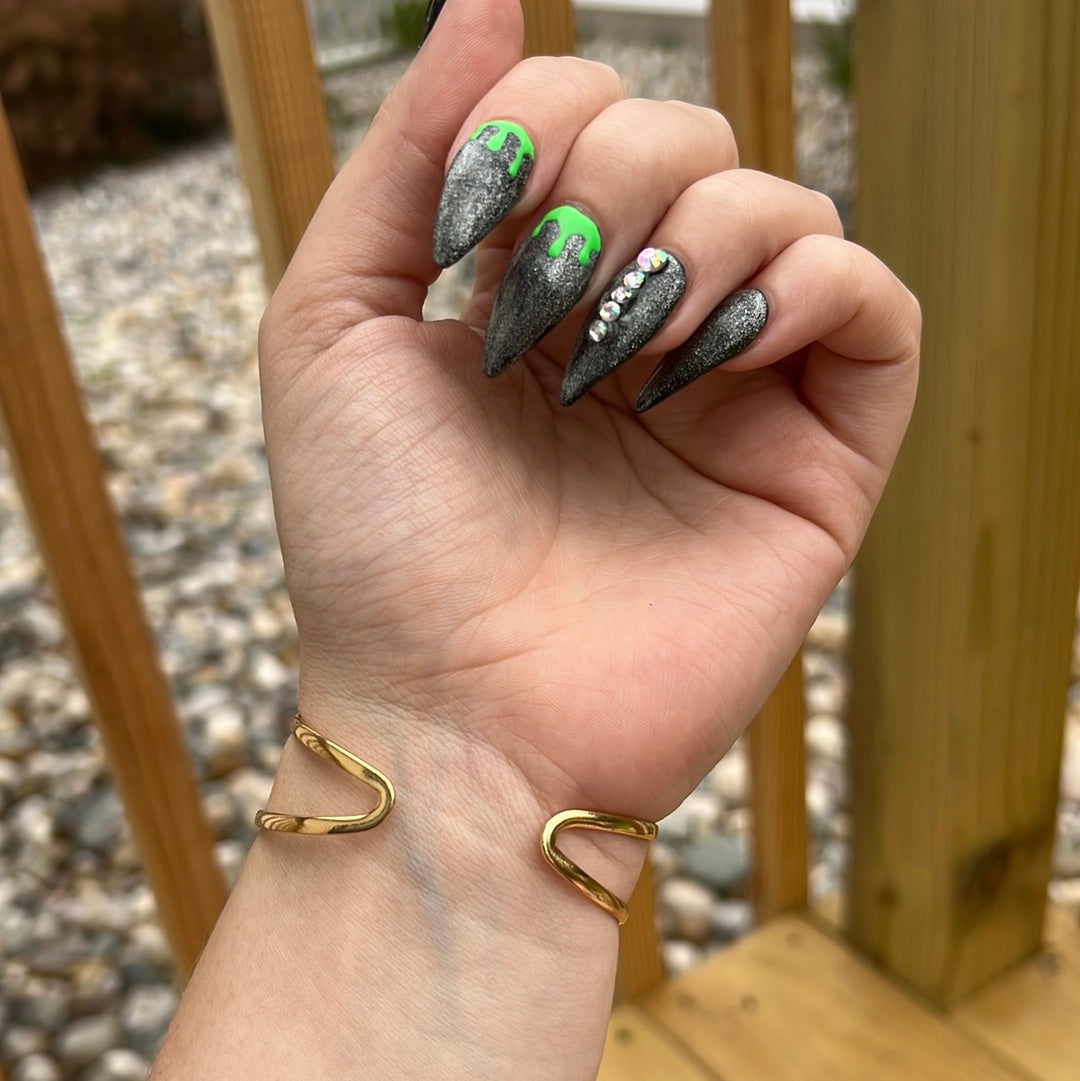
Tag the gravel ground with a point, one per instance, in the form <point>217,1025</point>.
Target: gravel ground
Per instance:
<point>157,276</point>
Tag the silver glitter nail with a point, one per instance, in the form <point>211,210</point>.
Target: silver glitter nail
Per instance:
<point>731,329</point>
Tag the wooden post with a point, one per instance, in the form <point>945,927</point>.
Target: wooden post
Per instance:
<point>778,799</point>
<point>549,27</point>
<point>640,964</point>
<point>751,69</point>
<point>278,118</point>
<point>58,468</point>
<point>751,65</point>
<point>969,166</point>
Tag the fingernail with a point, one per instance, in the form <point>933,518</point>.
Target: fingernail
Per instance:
<point>487,178</point>
<point>728,331</point>
<point>433,9</point>
<point>634,307</point>
<point>547,276</point>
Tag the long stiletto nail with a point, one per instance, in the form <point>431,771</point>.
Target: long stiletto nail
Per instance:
<point>728,331</point>
<point>487,178</point>
<point>634,307</point>
<point>433,10</point>
<point>547,276</point>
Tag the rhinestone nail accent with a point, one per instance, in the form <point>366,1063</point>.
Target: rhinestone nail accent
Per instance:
<point>614,305</point>
<point>652,260</point>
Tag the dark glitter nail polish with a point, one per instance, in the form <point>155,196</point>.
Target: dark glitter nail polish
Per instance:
<point>487,178</point>
<point>731,328</point>
<point>547,276</point>
<point>434,8</point>
<point>633,308</point>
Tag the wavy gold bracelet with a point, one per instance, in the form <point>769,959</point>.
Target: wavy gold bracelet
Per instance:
<point>355,767</point>
<point>576,876</point>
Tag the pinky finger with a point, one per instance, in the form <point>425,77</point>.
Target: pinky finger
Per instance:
<point>860,323</point>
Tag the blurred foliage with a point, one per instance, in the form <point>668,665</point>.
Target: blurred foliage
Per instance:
<point>103,80</point>
<point>403,23</point>
<point>833,42</point>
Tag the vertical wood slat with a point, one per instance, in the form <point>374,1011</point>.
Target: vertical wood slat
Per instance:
<point>640,964</point>
<point>275,105</point>
<point>778,800</point>
<point>969,163</point>
<point>751,70</point>
<point>549,27</point>
<point>57,465</point>
<point>751,66</point>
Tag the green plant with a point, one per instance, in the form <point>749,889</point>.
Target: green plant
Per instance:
<point>833,42</point>
<point>403,22</point>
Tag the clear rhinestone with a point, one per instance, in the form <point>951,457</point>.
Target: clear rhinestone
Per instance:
<point>645,259</point>
<point>598,331</point>
<point>622,295</point>
<point>610,311</point>
<point>634,280</point>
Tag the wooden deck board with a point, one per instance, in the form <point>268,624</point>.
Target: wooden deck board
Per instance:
<point>1032,1014</point>
<point>790,1003</point>
<point>638,1049</point>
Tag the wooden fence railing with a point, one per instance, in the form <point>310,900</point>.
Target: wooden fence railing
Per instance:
<point>969,168</point>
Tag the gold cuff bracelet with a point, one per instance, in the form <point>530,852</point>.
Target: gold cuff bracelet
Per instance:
<point>355,767</point>
<point>582,880</point>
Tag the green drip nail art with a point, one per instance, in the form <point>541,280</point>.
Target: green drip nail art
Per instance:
<point>498,141</point>
<point>572,222</point>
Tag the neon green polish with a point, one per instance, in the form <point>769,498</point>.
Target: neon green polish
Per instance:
<point>498,141</point>
<point>572,222</point>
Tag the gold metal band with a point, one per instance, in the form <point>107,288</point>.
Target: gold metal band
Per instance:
<point>592,820</point>
<point>355,767</point>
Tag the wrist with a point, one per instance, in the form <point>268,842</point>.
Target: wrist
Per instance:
<point>445,913</point>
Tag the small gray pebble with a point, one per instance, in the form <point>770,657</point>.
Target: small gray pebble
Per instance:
<point>145,1015</point>
<point>721,862</point>
<point>87,1039</point>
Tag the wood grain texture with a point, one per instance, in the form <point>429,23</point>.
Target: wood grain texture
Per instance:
<point>549,27</point>
<point>969,163</point>
<point>275,106</point>
<point>751,70</point>
<point>1031,1015</point>
<point>778,799</point>
<point>641,966</point>
<point>56,463</point>
<point>790,1003</point>
<point>637,1049</point>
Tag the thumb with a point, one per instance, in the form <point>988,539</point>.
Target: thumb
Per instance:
<point>367,251</point>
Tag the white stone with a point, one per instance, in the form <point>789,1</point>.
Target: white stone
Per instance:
<point>1070,771</point>
<point>826,737</point>
<point>119,1064</point>
<point>36,1067</point>
<point>820,804</point>
<point>684,907</point>
<point>680,957</point>
<point>829,632</point>
<point>224,740</point>
<point>731,777</point>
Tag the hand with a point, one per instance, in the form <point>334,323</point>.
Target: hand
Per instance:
<point>603,598</point>
<point>512,606</point>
